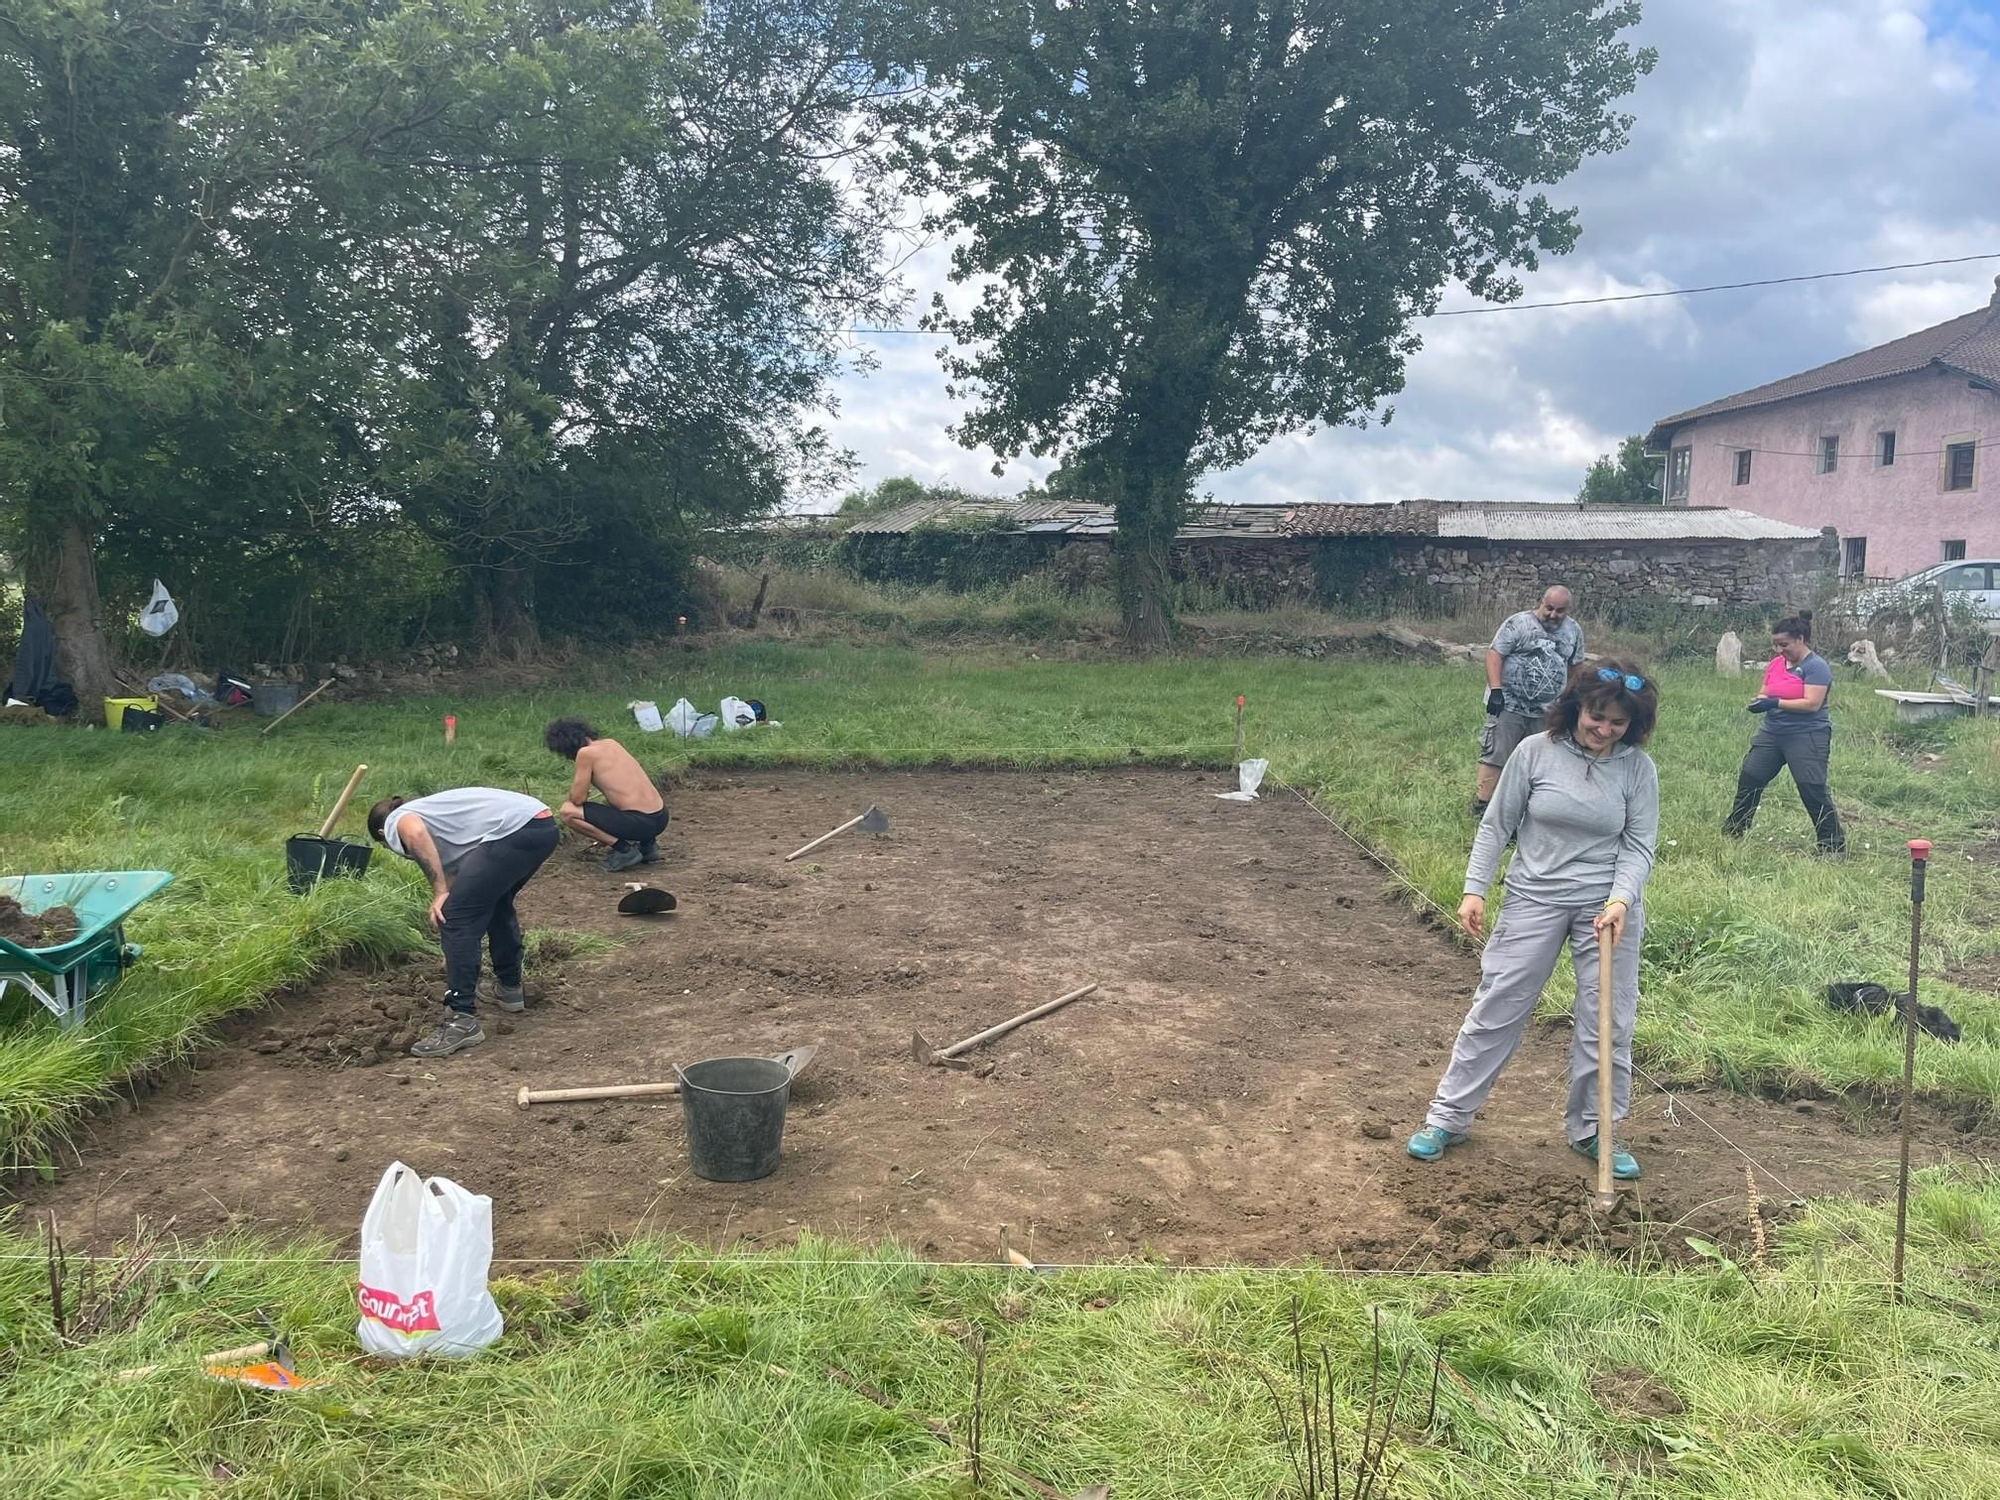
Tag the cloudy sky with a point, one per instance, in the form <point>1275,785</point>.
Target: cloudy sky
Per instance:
<point>1774,137</point>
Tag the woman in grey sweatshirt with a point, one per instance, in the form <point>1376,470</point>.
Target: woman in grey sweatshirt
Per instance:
<point>1580,803</point>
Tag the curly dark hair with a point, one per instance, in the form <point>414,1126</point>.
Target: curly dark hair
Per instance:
<point>1589,688</point>
<point>378,817</point>
<point>568,736</point>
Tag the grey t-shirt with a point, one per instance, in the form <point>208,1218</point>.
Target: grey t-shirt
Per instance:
<point>1813,672</point>
<point>1537,660</point>
<point>460,820</point>
<point>1583,828</point>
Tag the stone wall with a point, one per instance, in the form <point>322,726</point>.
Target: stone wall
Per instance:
<point>1436,575</point>
<point>1449,576</point>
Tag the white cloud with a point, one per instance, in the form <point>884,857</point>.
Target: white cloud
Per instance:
<point>1776,137</point>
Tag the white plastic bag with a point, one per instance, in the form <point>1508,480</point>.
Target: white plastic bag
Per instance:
<point>648,716</point>
<point>1249,776</point>
<point>160,612</point>
<point>685,720</point>
<point>426,1246</point>
<point>736,714</point>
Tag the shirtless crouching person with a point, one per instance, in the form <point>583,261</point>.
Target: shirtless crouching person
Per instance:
<point>632,816</point>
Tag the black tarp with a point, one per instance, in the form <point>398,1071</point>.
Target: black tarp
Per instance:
<point>35,662</point>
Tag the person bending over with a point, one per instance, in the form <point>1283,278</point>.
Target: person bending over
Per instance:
<point>479,845</point>
<point>632,816</point>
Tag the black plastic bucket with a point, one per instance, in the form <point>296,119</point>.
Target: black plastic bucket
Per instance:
<point>310,859</point>
<point>735,1113</point>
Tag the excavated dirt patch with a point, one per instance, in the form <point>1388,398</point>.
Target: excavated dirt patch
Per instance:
<point>1269,1027</point>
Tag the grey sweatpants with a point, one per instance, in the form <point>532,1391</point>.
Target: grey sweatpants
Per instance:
<point>1520,955</point>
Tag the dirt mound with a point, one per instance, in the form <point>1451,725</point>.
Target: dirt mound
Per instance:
<point>1629,1391</point>
<point>42,929</point>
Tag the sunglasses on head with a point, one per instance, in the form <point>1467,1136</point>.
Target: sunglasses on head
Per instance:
<point>1612,674</point>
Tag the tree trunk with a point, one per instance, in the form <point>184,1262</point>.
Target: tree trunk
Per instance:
<point>1143,582</point>
<point>503,612</point>
<point>63,575</point>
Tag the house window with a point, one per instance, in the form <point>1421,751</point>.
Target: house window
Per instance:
<point>1742,465</point>
<point>1678,464</point>
<point>1950,551</point>
<point>1958,459</point>
<point>1885,449</point>
<point>1854,557</point>
<point>1829,454</point>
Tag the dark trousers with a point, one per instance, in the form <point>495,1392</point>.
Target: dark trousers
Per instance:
<point>481,904</point>
<point>1807,756</point>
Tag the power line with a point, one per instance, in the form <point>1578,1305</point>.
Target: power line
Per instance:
<point>1681,291</point>
<point>1725,286</point>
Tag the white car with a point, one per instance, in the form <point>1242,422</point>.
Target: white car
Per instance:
<point>1974,582</point>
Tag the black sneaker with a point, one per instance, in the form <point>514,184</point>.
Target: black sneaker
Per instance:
<point>649,851</point>
<point>622,857</point>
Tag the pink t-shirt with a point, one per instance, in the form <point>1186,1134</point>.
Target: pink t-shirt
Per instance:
<point>1780,681</point>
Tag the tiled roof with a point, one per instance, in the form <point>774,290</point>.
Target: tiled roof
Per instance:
<point>1968,345</point>
<point>1413,518</point>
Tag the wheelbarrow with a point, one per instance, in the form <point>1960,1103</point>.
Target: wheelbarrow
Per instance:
<point>65,977</point>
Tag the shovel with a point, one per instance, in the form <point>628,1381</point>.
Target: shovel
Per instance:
<point>795,1061</point>
<point>871,821</point>
<point>642,900</point>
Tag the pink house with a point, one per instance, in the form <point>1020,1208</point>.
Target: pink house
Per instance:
<point>1897,448</point>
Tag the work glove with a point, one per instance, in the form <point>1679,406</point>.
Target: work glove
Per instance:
<point>1495,700</point>
<point>1762,705</point>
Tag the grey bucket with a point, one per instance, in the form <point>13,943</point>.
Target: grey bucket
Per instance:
<point>735,1113</point>
<point>269,699</point>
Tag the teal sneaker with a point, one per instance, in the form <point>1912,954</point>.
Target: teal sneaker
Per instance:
<point>1433,1141</point>
<point>1624,1165</point>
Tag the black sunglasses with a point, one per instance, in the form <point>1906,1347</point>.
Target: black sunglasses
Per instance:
<point>1612,674</point>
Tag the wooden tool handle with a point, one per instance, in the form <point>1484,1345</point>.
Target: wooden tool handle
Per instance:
<point>1607,1196</point>
<point>297,706</point>
<point>598,1091</point>
<point>1021,1020</point>
<point>808,848</point>
<point>346,796</point>
<point>259,1350</point>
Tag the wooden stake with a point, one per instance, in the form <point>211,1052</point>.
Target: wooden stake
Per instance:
<point>1607,1193</point>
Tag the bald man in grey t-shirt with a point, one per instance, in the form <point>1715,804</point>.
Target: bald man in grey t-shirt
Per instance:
<point>1527,665</point>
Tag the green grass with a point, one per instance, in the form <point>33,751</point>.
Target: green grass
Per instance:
<point>665,1372</point>
<point>1741,937</point>
<point>652,1373</point>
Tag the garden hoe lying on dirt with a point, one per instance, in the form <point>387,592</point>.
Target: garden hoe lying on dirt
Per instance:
<point>795,1061</point>
<point>948,1057</point>
<point>871,821</point>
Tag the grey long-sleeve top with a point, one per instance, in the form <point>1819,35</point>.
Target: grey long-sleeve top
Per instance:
<point>1583,828</point>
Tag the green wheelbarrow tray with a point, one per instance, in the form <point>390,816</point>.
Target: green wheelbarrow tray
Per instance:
<point>65,977</point>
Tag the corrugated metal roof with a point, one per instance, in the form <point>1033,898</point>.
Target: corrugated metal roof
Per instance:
<point>1613,523</point>
<point>1472,521</point>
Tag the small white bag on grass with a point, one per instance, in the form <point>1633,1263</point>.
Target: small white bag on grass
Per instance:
<point>1249,776</point>
<point>426,1245</point>
<point>736,714</point>
<point>647,716</point>
<point>689,722</point>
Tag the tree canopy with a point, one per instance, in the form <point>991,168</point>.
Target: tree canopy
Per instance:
<point>1194,225</point>
<point>501,294</point>
<point>1632,478</point>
